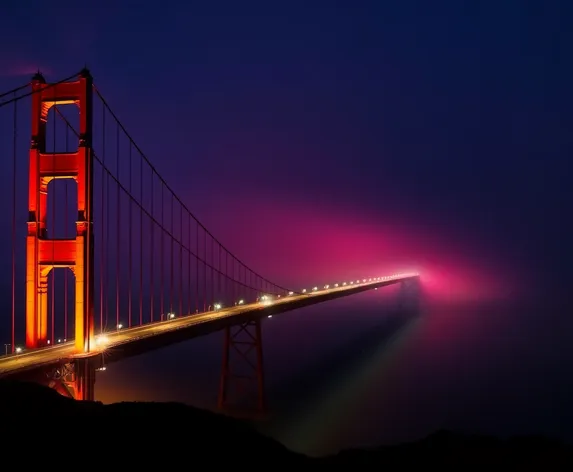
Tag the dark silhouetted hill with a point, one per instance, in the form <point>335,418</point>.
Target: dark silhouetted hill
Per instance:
<point>42,428</point>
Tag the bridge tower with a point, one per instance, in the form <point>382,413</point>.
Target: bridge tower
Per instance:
<point>43,252</point>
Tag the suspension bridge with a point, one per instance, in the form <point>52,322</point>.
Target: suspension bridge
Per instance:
<point>107,261</point>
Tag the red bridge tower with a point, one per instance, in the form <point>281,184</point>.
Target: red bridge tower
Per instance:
<point>42,252</point>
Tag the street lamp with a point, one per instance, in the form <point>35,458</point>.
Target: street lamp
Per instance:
<point>6,346</point>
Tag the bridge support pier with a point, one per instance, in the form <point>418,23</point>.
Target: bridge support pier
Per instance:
<point>242,367</point>
<point>409,295</point>
<point>75,379</point>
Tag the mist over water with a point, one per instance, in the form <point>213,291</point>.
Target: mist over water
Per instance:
<point>486,352</point>
<point>358,371</point>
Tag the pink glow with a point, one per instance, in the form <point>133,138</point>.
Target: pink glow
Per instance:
<point>303,245</point>
<point>19,67</point>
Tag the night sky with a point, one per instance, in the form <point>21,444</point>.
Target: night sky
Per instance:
<point>325,140</point>
<point>357,134</point>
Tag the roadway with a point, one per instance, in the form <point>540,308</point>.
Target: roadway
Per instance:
<point>108,341</point>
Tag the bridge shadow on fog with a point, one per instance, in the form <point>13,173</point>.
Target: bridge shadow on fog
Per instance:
<point>286,397</point>
<point>310,385</point>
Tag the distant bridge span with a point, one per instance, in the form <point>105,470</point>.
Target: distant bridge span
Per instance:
<point>124,343</point>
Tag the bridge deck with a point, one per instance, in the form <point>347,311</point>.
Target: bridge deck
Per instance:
<point>131,341</point>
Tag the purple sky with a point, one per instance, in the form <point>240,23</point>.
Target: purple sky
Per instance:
<point>329,142</point>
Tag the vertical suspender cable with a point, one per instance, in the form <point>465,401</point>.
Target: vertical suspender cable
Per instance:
<point>188,267</point>
<point>14,165</point>
<point>180,260</point>
<point>118,219</point>
<point>130,236</point>
<point>102,226</point>
<point>66,237</point>
<point>162,254</point>
<point>204,270</point>
<point>172,234</point>
<point>152,231</point>
<point>107,238</point>
<point>212,272</point>
<point>52,234</point>
<point>197,269</point>
<point>141,243</point>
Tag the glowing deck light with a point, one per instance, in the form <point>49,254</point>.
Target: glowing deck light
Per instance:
<point>171,315</point>
<point>241,302</point>
<point>304,290</point>
<point>217,306</point>
<point>326,287</point>
<point>290,293</point>
<point>101,341</point>
<point>336,285</point>
<point>18,350</point>
<point>266,300</point>
<point>314,289</point>
<point>119,326</point>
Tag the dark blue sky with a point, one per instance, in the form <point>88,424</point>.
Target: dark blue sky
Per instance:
<point>449,120</point>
